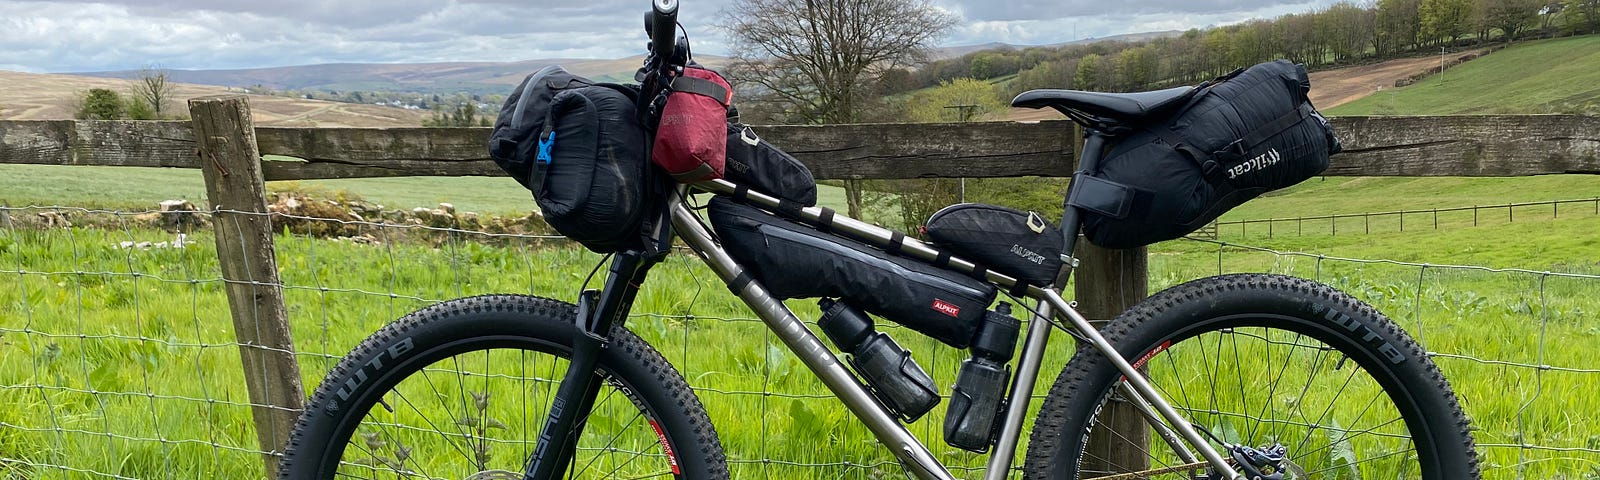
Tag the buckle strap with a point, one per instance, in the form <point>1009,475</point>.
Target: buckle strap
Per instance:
<point>702,87</point>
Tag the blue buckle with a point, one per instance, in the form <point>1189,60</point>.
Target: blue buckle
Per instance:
<point>545,143</point>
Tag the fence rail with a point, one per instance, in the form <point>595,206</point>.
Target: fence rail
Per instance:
<point>1431,215</point>
<point>314,294</point>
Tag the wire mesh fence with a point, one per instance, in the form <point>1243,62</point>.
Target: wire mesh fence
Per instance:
<point>118,360</point>
<point>1401,220</point>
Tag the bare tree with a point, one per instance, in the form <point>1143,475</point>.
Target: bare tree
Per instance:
<point>153,88</point>
<point>814,61</point>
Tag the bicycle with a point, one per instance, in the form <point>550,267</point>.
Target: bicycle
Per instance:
<point>1166,361</point>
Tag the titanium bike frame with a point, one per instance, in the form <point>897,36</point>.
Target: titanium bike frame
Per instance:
<point>599,312</point>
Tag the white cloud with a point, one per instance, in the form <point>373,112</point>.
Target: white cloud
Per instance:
<point>79,35</point>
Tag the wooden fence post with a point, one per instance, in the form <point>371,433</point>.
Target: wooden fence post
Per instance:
<point>1108,282</point>
<point>225,135</point>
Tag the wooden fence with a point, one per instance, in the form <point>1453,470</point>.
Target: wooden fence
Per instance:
<point>222,142</point>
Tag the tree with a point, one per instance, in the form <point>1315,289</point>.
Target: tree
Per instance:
<point>1509,16</point>
<point>1398,22</point>
<point>1583,16</point>
<point>981,99</point>
<point>816,60</point>
<point>1445,19</point>
<point>463,113</point>
<point>153,88</point>
<point>101,104</point>
<point>1088,75</point>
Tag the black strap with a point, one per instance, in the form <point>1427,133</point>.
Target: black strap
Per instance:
<point>980,273</point>
<point>741,192</point>
<point>943,260</point>
<point>740,282</point>
<point>1020,289</point>
<point>1208,164</point>
<point>825,220</point>
<point>789,208</point>
<point>897,243</point>
<point>1276,126</point>
<point>702,87</point>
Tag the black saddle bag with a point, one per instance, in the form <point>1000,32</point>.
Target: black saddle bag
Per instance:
<point>579,147</point>
<point>1242,135</point>
<point>795,261</point>
<point>1020,244</point>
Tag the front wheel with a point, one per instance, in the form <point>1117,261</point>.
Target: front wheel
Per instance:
<point>1264,361</point>
<point>460,390</point>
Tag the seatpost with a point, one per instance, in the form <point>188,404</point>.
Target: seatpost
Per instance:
<point>1071,220</point>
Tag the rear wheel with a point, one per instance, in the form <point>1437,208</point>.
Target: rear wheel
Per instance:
<point>1262,361</point>
<point>460,390</point>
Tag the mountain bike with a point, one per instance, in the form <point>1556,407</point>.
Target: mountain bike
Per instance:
<point>1247,376</point>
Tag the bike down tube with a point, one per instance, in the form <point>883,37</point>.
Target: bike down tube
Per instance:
<point>807,347</point>
<point>1143,387</point>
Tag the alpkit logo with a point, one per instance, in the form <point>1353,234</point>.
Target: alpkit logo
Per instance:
<point>1026,254</point>
<point>946,308</point>
<point>1261,161</point>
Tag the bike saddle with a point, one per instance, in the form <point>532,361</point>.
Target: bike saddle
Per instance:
<point>1126,108</point>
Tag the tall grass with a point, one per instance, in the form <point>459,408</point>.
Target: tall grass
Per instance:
<point>121,361</point>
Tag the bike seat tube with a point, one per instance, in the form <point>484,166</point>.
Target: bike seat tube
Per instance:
<point>1094,144</point>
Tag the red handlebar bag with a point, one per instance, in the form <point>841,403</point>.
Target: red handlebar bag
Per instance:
<point>692,139</point>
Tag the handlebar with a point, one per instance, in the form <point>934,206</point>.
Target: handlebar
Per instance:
<point>662,26</point>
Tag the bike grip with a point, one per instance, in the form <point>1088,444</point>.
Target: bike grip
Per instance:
<point>663,27</point>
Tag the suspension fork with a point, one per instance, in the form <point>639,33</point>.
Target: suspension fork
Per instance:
<point>598,313</point>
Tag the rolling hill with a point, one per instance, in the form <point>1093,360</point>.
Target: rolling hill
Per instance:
<point>30,96</point>
<point>473,77</point>
<point>1546,76</point>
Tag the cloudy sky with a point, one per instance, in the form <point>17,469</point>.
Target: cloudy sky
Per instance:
<point>75,35</point>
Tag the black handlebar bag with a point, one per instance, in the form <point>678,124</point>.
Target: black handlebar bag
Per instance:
<point>1245,134</point>
<point>580,148</point>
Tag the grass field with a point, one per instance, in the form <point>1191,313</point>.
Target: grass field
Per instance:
<point>1546,76</point>
<point>165,331</point>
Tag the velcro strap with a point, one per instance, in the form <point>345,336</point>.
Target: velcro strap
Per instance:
<point>741,192</point>
<point>980,273</point>
<point>943,260</point>
<point>789,208</point>
<point>1101,196</point>
<point>825,220</point>
<point>740,282</point>
<point>702,87</point>
<point>897,243</point>
<point>1020,289</point>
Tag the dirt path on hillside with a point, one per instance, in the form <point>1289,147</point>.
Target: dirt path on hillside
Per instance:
<point>1329,88</point>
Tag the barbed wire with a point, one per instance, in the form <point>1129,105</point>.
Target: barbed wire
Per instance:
<point>68,409</point>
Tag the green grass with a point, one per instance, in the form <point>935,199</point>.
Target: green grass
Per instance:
<point>1546,76</point>
<point>81,322</point>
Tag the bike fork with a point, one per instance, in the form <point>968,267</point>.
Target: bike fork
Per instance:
<point>598,313</point>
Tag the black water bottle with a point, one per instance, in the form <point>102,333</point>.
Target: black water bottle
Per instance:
<point>981,386</point>
<point>893,377</point>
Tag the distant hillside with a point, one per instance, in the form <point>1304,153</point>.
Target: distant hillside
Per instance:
<point>1547,76</point>
<point>956,51</point>
<point>29,96</point>
<point>472,77</point>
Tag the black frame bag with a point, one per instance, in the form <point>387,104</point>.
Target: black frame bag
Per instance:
<point>1245,134</point>
<point>1023,245</point>
<point>580,148</point>
<point>795,261</point>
